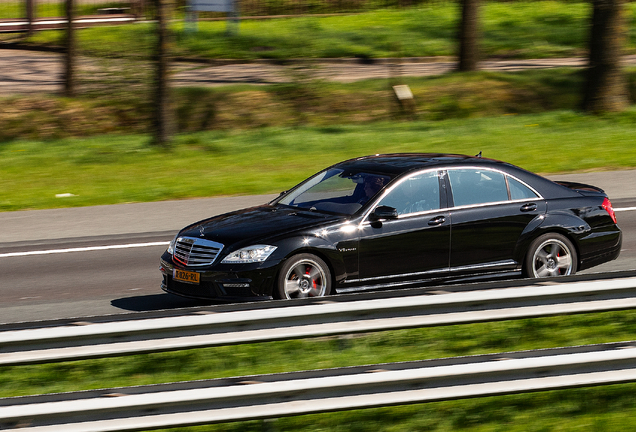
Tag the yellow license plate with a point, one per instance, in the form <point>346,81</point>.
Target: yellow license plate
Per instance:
<point>186,276</point>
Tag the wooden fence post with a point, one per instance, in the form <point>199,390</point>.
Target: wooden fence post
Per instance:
<point>30,16</point>
<point>69,70</point>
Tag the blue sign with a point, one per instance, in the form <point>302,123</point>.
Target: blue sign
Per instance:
<point>212,5</point>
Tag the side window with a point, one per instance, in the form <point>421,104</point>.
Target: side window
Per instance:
<point>415,194</point>
<point>474,186</point>
<point>519,191</point>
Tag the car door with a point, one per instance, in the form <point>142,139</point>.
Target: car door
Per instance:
<point>414,244</point>
<point>489,211</point>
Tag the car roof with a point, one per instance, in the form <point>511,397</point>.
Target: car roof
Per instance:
<point>398,163</point>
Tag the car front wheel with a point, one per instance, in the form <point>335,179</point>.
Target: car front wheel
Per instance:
<point>304,275</point>
<point>551,255</point>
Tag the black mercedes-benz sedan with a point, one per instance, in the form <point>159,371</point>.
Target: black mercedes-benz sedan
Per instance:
<point>394,220</point>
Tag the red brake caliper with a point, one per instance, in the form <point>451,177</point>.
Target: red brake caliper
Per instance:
<point>313,281</point>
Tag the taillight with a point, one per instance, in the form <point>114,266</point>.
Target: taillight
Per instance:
<point>607,205</point>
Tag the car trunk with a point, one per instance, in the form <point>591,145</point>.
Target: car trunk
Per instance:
<point>583,188</point>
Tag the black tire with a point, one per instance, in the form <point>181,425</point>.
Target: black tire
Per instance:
<point>550,255</point>
<point>303,275</point>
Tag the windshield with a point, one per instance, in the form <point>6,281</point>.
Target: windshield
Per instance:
<point>336,191</point>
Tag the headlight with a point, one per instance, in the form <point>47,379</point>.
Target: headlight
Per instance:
<point>170,249</point>
<point>250,254</point>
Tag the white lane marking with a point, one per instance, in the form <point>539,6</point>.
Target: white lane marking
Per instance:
<point>83,249</point>
<point>135,245</point>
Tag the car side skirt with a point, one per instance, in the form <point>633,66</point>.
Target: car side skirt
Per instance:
<point>351,285</point>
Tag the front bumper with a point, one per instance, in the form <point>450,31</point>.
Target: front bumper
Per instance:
<point>251,283</point>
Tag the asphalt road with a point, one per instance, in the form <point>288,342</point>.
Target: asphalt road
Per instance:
<point>79,262</point>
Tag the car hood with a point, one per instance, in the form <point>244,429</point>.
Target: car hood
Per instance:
<point>256,224</point>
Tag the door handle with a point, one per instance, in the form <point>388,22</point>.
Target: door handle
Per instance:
<point>437,221</point>
<point>528,207</point>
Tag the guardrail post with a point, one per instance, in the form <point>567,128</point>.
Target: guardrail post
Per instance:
<point>139,9</point>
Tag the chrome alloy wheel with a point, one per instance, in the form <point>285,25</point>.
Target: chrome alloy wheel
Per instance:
<point>306,278</point>
<point>552,258</point>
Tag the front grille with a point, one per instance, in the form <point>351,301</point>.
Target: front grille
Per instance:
<point>196,252</point>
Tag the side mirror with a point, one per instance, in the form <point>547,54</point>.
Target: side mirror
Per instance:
<point>383,212</point>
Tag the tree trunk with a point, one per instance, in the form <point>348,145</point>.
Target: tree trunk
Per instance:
<point>162,123</point>
<point>469,36</point>
<point>606,86</point>
<point>69,61</point>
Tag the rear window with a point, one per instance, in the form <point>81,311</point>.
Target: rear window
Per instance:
<point>474,186</point>
<point>519,191</point>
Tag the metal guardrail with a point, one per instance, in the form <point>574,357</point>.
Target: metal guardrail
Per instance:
<point>20,25</point>
<point>267,396</point>
<point>83,340</point>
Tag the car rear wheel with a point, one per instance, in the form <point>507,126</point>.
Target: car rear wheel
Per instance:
<point>551,255</point>
<point>304,275</point>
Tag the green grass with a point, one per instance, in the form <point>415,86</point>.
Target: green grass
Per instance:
<point>117,169</point>
<point>612,406</point>
<point>525,29</point>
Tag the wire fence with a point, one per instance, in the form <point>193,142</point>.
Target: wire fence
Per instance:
<point>11,9</point>
<point>299,7</point>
